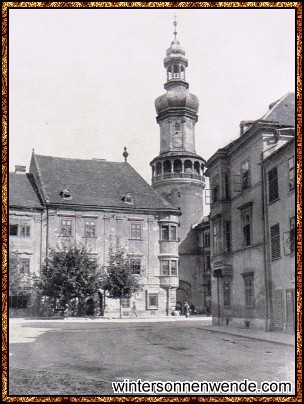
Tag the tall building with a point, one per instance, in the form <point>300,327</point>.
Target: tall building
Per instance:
<point>64,200</point>
<point>178,172</point>
<point>252,212</point>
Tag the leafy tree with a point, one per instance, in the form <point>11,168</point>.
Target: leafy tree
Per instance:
<point>69,272</point>
<point>118,279</point>
<point>15,277</point>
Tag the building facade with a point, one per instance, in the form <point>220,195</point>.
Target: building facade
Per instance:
<point>178,172</point>
<point>93,202</point>
<point>242,288</point>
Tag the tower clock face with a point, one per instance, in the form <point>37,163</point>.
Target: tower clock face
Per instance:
<point>177,141</point>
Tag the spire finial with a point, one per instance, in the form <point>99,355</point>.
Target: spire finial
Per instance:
<point>175,24</point>
<point>125,154</point>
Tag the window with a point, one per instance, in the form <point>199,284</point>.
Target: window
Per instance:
<point>273,185</point>
<point>25,229</point>
<point>217,237</point>
<point>66,194</point>
<point>215,189</point>
<point>168,233</point>
<point>136,231</point>
<point>226,185</point>
<point>24,267</point>
<point>128,198</point>
<point>152,301</point>
<point>275,241</point>
<point>66,227</point>
<point>13,230</point>
<point>247,225</point>
<point>249,290</point>
<point>135,266</point>
<point>228,236</point>
<point>291,166</point>
<point>245,178</point>
<point>206,240</point>
<point>89,229</point>
<point>227,293</point>
<point>18,302</point>
<point>208,262</point>
<point>125,303</point>
<point>165,267</point>
<point>168,267</point>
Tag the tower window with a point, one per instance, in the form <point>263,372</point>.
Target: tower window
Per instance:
<point>197,168</point>
<point>178,166</point>
<point>167,167</point>
<point>158,169</point>
<point>188,167</point>
<point>177,127</point>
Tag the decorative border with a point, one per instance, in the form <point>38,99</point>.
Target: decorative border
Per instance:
<point>5,9</point>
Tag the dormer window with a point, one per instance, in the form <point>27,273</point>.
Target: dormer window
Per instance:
<point>66,194</point>
<point>128,199</point>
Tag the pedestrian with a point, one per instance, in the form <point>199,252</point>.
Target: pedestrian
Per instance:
<point>208,310</point>
<point>187,309</point>
<point>134,310</point>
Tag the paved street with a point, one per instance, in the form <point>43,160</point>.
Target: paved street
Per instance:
<point>83,358</point>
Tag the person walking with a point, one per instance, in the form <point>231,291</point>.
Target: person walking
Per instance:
<point>187,309</point>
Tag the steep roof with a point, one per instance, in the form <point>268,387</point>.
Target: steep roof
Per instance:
<point>22,191</point>
<point>95,183</point>
<point>282,111</point>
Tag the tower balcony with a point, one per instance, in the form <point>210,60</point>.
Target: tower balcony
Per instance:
<point>181,176</point>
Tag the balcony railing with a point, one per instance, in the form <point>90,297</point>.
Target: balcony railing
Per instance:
<point>166,176</point>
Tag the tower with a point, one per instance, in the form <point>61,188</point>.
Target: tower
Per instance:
<point>178,172</point>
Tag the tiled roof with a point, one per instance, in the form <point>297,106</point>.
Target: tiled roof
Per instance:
<point>282,111</point>
<point>95,183</point>
<point>22,191</point>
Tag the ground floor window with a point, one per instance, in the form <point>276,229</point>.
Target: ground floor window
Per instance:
<point>227,292</point>
<point>249,290</point>
<point>125,303</point>
<point>152,301</point>
<point>19,301</point>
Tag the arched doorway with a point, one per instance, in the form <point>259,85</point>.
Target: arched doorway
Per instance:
<point>183,294</point>
<point>90,307</point>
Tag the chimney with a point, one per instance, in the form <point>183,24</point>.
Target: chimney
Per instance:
<point>20,169</point>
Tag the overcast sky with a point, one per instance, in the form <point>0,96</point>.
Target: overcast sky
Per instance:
<point>82,82</point>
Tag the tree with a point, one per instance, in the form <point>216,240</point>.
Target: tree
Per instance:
<point>69,272</point>
<point>15,277</point>
<point>118,279</point>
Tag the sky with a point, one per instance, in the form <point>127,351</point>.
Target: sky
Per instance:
<point>82,82</point>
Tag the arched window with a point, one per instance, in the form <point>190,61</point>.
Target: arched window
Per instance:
<point>182,72</point>
<point>169,73</point>
<point>177,127</point>
<point>188,167</point>
<point>197,168</point>
<point>175,71</point>
<point>178,166</point>
<point>153,171</point>
<point>167,167</point>
<point>158,168</point>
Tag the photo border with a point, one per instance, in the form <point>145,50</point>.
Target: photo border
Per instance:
<point>6,6</point>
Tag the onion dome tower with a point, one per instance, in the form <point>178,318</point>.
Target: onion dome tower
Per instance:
<point>177,172</point>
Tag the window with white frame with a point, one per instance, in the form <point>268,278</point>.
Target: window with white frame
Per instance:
<point>246,216</point>
<point>135,264</point>
<point>25,228</point>
<point>217,237</point>
<point>169,267</point>
<point>245,175</point>
<point>24,266</point>
<point>125,303</point>
<point>66,227</point>
<point>273,185</point>
<point>291,175</point>
<point>168,232</point>
<point>90,228</point>
<point>136,231</point>
<point>152,301</point>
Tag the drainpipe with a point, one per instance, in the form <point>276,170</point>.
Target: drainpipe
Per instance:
<point>47,237</point>
<point>267,274</point>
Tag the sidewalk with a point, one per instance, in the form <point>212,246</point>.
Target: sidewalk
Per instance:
<point>203,322</point>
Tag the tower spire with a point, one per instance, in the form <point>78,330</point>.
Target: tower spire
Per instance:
<point>175,24</point>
